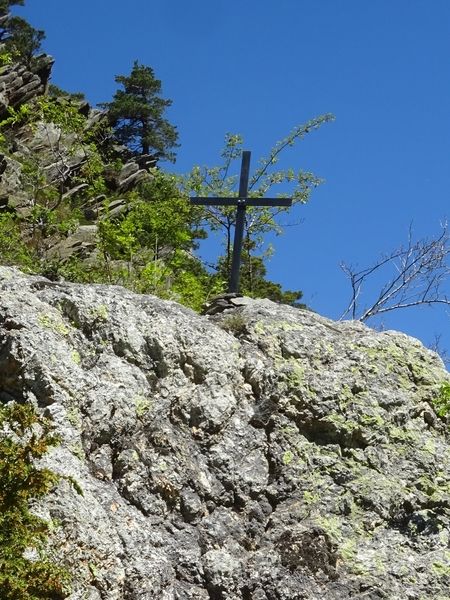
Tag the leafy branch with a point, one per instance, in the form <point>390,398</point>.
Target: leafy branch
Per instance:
<point>217,181</point>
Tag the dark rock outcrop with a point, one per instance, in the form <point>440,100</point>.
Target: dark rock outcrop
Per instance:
<point>265,453</point>
<point>19,84</point>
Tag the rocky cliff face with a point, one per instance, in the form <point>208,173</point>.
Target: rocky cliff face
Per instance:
<point>266,453</point>
<point>42,158</point>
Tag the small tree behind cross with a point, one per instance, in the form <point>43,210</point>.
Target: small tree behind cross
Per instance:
<point>241,202</point>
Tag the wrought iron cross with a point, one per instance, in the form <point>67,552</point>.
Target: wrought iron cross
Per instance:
<point>241,202</point>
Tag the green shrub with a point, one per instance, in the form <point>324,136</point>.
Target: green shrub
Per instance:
<point>6,58</point>
<point>17,116</point>
<point>235,324</point>
<point>13,250</point>
<point>26,573</point>
<point>62,112</point>
<point>442,402</point>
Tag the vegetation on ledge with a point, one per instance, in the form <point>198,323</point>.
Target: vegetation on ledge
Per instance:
<point>26,570</point>
<point>82,197</point>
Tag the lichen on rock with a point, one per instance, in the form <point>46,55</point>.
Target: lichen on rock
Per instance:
<point>288,458</point>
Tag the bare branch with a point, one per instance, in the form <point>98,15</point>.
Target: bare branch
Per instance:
<point>437,347</point>
<point>416,275</point>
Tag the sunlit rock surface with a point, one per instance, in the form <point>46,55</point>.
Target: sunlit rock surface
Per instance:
<point>265,453</point>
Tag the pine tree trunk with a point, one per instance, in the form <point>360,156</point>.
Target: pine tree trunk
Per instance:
<point>144,140</point>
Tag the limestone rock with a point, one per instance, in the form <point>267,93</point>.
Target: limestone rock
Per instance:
<point>131,175</point>
<point>53,153</point>
<point>81,244</point>
<point>12,194</point>
<point>263,453</point>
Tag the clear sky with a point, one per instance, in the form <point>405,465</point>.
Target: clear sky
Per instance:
<point>260,67</point>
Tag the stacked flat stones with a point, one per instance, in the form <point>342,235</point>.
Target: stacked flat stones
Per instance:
<point>225,302</point>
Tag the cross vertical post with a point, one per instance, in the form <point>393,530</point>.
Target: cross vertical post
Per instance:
<point>240,222</point>
<point>241,203</point>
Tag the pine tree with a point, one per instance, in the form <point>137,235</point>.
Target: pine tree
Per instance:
<point>23,40</point>
<point>5,5</point>
<point>19,38</point>
<point>136,114</point>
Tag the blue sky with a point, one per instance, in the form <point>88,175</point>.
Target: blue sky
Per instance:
<point>260,67</point>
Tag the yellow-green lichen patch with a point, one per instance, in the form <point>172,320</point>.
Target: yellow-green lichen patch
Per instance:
<point>378,492</point>
<point>437,488</point>
<point>293,459</point>
<point>310,497</point>
<point>441,567</point>
<point>54,323</point>
<point>76,357</point>
<point>287,457</point>
<point>341,423</point>
<point>76,448</point>
<point>293,372</point>
<point>271,336</point>
<point>402,434</point>
<point>100,312</point>
<point>407,362</point>
<point>142,405</point>
<point>332,525</point>
<point>372,420</point>
<point>348,550</point>
<point>74,416</point>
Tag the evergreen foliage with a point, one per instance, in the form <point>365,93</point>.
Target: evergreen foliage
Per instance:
<point>55,91</point>
<point>19,38</point>
<point>5,6</point>
<point>23,40</point>
<point>254,282</point>
<point>136,114</point>
<point>24,438</point>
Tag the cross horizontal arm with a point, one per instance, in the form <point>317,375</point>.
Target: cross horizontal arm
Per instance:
<point>215,201</point>
<point>245,201</point>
